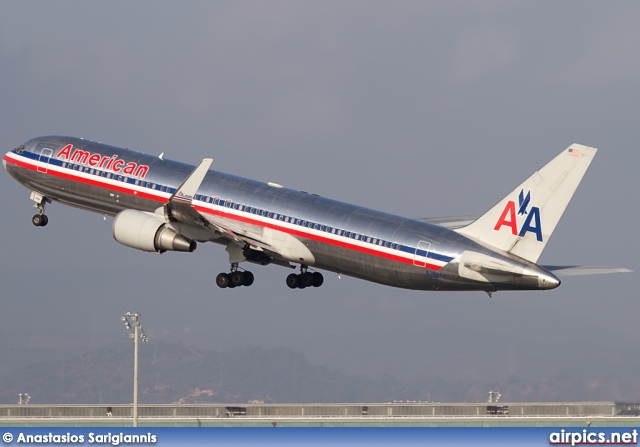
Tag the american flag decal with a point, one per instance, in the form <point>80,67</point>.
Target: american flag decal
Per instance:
<point>574,152</point>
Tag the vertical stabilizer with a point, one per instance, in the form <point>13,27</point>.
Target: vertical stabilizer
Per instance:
<point>523,222</point>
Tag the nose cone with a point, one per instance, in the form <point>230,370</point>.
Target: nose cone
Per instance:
<point>547,280</point>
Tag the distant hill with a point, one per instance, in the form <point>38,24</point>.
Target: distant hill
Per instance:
<point>173,373</point>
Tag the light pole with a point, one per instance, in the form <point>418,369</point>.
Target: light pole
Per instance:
<point>132,320</point>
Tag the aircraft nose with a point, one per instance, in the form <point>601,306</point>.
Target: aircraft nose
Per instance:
<point>547,280</point>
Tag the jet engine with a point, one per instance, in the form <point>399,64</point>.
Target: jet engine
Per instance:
<point>148,232</point>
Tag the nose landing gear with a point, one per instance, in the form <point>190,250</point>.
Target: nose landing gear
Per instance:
<point>40,219</point>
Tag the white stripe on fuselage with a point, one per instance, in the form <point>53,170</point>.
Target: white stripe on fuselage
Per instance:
<point>288,227</point>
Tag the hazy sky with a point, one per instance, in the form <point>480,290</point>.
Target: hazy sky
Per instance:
<point>416,108</point>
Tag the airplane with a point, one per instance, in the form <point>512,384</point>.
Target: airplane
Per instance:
<point>161,205</point>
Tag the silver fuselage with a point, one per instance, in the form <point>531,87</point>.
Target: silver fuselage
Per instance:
<point>343,238</point>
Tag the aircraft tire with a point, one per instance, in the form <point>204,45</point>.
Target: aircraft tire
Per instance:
<point>237,279</point>
<point>306,280</point>
<point>223,280</point>
<point>293,281</point>
<point>37,220</point>
<point>248,278</point>
<point>45,220</point>
<point>318,279</point>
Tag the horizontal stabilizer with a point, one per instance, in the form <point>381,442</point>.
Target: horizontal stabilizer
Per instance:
<point>450,222</point>
<point>485,268</point>
<point>578,270</point>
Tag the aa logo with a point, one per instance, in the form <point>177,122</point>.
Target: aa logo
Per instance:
<point>509,219</point>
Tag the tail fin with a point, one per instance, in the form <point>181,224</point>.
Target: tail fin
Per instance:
<point>523,222</point>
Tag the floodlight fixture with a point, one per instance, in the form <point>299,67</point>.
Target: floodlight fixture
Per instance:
<point>132,319</point>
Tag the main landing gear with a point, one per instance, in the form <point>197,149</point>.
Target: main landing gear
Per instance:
<point>237,278</point>
<point>234,279</point>
<point>40,219</point>
<point>304,279</point>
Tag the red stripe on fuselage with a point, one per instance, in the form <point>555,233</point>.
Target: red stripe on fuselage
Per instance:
<point>315,237</point>
<point>202,209</point>
<point>76,178</point>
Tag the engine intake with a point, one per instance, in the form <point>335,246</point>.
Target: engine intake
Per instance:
<point>148,232</point>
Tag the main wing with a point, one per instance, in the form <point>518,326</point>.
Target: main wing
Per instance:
<point>243,234</point>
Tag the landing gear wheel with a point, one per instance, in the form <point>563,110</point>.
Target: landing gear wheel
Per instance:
<point>306,280</point>
<point>237,279</point>
<point>40,220</point>
<point>318,279</point>
<point>223,280</point>
<point>293,281</point>
<point>248,278</point>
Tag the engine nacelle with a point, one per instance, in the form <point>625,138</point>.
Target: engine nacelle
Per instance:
<point>148,232</point>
